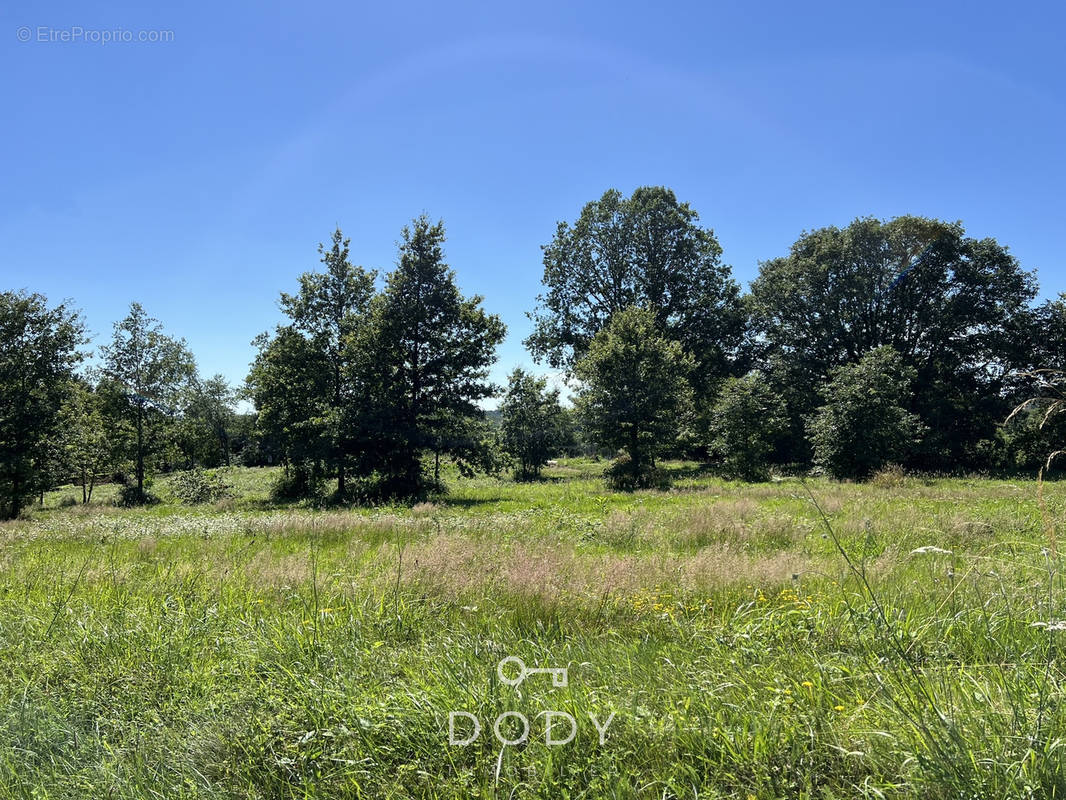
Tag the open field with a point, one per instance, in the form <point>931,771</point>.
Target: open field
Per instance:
<point>242,649</point>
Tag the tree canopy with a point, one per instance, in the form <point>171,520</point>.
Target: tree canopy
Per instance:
<point>647,250</point>
<point>955,309</point>
<point>150,370</point>
<point>634,392</point>
<point>38,355</point>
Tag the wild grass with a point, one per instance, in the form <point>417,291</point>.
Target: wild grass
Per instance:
<point>905,644</point>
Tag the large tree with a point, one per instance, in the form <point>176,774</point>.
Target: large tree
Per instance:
<point>647,250</point>
<point>956,310</point>
<point>305,382</point>
<point>329,309</point>
<point>634,392</point>
<point>426,356</point>
<point>151,370</point>
<point>38,355</point>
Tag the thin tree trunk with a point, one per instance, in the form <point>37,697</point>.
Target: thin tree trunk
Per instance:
<point>16,487</point>
<point>140,453</point>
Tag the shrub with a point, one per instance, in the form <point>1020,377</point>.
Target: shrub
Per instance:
<point>625,475</point>
<point>890,476</point>
<point>199,486</point>
<point>129,495</point>
<point>863,425</point>
<point>298,482</point>
<point>746,420</point>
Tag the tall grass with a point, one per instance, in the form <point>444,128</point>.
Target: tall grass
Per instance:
<point>764,641</point>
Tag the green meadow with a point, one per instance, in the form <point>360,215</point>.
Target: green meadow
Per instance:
<point>799,638</point>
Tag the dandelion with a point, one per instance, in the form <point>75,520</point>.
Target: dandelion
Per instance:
<point>838,708</point>
<point>807,684</point>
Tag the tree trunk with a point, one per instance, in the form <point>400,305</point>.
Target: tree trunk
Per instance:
<point>340,478</point>
<point>84,496</point>
<point>140,453</point>
<point>16,487</point>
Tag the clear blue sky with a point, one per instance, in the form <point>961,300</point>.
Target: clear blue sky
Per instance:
<point>197,175</point>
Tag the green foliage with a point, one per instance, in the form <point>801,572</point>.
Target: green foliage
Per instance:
<point>131,495</point>
<point>864,424</point>
<point>150,371</point>
<point>623,475</point>
<point>330,311</point>
<point>287,384</point>
<point>93,442</point>
<point>647,250</point>
<point>198,485</point>
<point>367,385</point>
<point>38,355</point>
<point>425,359</point>
<point>208,421</point>
<point>745,421</point>
<point>954,308</point>
<point>634,391</point>
<point>305,382</point>
<point>533,424</point>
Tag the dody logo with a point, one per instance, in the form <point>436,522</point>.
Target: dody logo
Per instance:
<point>560,727</point>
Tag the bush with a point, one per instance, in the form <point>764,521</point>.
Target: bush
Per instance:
<point>199,486</point>
<point>623,475</point>
<point>130,496</point>
<point>298,482</point>
<point>890,476</point>
<point>746,420</point>
<point>863,425</point>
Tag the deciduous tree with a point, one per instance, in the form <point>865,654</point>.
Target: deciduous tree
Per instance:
<point>152,370</point>
<point>533,425</point>
<point>864,424</point>
<point>38,355</point>
<point>955,309</point>
<point>647,250</point>
<point>634,391</point>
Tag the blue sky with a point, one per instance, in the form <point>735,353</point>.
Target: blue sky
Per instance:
<point>197,175</point>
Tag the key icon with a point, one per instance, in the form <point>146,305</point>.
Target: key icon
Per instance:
<point>559,675</point>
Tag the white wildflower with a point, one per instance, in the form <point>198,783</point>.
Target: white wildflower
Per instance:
<point>1050,625</point>
<point>929,548</point>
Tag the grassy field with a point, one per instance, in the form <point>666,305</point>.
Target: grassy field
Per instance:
<point>243,649</point>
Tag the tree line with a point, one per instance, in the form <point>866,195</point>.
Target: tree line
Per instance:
<point>884,342</point>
